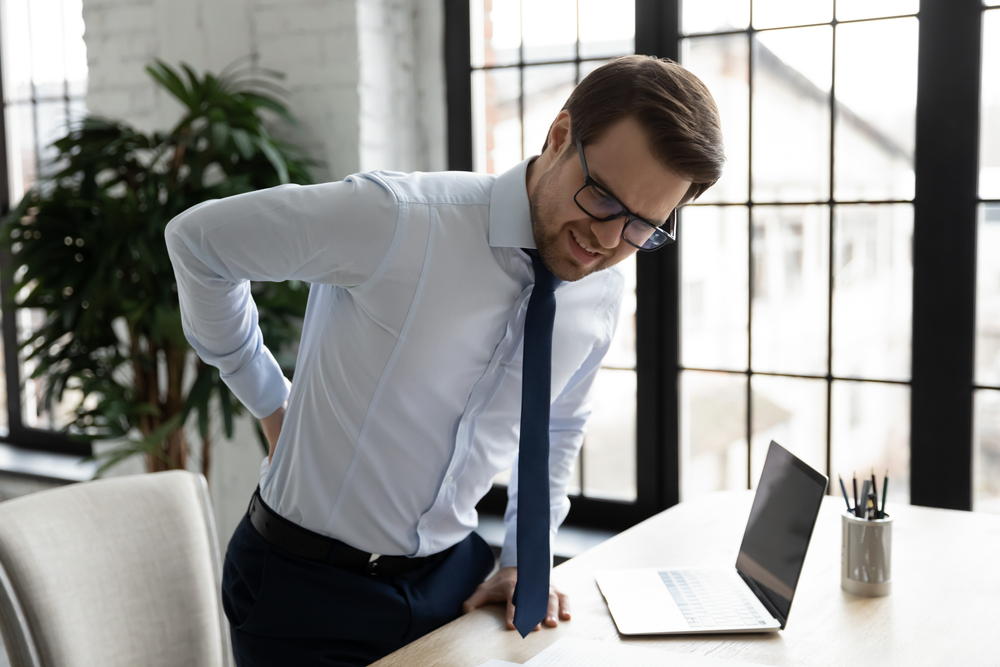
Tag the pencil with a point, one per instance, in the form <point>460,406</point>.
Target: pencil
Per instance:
<point>885,485</point>
<point>855,481</point>
<point>844,489</point>
<point>874,490</point>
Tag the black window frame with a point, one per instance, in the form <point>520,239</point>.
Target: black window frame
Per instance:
<point>944,267</point>
<point>19,434</point>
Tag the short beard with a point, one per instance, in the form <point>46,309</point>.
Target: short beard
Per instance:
<point>542,207</point>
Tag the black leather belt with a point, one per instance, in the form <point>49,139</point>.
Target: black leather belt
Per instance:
<point>306,544</point>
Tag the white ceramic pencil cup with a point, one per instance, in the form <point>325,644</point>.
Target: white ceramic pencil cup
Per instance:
<point>866,555</point>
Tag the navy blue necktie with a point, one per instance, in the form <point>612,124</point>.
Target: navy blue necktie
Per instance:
<point>531,594</point>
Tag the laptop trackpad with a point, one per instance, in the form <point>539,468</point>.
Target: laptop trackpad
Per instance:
<point>639,602</point>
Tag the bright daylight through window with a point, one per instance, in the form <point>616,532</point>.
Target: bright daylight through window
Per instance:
<point>796,268</point>
<point>44,84</point>
<point>527,57</point>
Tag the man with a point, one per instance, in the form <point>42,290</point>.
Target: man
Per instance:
<point>409,380</point>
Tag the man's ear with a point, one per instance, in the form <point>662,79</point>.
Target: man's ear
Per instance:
<point>560,135</point>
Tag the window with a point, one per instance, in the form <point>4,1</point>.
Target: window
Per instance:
<point>526,59</point>
<point>987,392</point>
<point>824,293</point>
<point>44,81</point>
<point>800,255</point>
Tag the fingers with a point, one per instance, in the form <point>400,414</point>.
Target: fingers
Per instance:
<point>510,614</point>
<point>550,615</point>
<point>564,612</point>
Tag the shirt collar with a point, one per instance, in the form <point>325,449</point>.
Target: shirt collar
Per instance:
<point>510,213</point>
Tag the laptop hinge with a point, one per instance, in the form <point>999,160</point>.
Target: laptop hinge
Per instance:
<point>763,598</point>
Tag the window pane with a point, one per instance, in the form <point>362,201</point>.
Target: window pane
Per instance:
<point>549,30</point>
<point>622,351</point>
<point>988,296</point>
<point>873,291</point>
<point>987,451</point>
<point>714,287</point>
<point>791,114</point>
<point>497,119</point>
<point>791,286</point>
<point>48,62</point>
<point>870,429</point>
<point>21,156</point>
<point>876,112</point>
<point>850,10</point>
<point>606,30</point>
<point>16,51</point>
<point>496,32</point>
<point>33,411</point>
<point>51,119</point>
<point>778,13</point>
<point>989,151</point>
<point>792,412</point>
<point>713,428</point>
<point>546,89</point>
<point>714,15</point>
<point>723,64</point>
<point>609,444</point>
<point>75,48</point>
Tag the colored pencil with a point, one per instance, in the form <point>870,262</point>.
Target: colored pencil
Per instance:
<point>844,490</point>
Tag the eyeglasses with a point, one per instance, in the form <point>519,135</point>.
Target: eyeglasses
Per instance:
<point>595,200</point>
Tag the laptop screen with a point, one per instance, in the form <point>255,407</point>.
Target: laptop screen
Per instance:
<point>781,523</point>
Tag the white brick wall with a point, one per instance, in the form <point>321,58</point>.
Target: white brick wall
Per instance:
<point>366,80</point>
<point>366,77</point>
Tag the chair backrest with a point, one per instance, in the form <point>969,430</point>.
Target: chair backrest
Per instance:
<point>116,572</point>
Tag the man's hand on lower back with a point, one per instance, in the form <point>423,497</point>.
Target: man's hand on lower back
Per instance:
<point>500,588</point>
<point>272,429</point>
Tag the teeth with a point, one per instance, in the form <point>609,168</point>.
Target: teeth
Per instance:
<point>582,244</point>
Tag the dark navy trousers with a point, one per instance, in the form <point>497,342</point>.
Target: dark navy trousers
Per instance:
<point>288,611</point>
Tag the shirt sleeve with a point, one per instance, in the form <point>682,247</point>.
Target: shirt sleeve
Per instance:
<point>331,233</point>
<point>568,417</point>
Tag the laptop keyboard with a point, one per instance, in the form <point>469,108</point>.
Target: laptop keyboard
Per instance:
<point>709,599</point>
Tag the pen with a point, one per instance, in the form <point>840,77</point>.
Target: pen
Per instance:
<point>864,500</point>
<point>844,490</point>
<point>856,494</point>
<point>874,490</point>
<point>885,485</point>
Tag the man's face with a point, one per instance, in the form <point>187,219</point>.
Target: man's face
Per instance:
<point>573,244</point>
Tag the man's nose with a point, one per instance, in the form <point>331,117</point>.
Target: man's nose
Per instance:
<point>609,233</point>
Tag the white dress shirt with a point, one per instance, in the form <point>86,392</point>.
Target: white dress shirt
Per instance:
<point>407,391</point>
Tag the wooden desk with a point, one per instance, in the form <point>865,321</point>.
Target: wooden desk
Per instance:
<point>944,608</point>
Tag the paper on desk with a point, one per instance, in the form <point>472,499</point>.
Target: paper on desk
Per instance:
<point>577,652</point>
<point>500,663</point>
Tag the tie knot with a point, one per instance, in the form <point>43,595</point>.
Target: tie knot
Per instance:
<point>544,280</point>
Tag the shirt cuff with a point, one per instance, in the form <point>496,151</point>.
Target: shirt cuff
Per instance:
<point>261,386</point>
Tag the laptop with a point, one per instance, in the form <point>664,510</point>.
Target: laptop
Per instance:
<point>755,596</point>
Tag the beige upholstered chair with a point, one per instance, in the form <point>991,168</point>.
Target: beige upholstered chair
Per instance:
<point>117,572</point>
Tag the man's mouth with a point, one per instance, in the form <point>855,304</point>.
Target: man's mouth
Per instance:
<point>590,251</point>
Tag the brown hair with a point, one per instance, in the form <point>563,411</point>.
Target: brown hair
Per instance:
<point>670,102</point>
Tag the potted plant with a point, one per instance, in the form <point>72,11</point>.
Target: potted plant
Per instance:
<point>86,248</point>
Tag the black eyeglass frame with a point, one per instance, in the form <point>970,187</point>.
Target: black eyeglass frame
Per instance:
<point>669,231</point>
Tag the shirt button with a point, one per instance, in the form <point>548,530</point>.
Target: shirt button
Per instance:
<point>451,478</point>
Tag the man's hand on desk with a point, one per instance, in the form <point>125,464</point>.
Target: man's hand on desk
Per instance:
<point>500,588</point>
